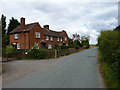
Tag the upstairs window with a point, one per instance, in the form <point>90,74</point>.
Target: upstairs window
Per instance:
<point>65,38</point>
<point>51,38</point>
<point>47,38</point>
<point>58,39</point>
<point>16,36</point>
<point>37,34</point>
<point>61,40</point>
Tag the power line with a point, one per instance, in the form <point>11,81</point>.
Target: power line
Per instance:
<point>113,22</point>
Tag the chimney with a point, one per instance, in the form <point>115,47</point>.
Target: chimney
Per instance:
<point>22,23</point>
<point>46,27</point>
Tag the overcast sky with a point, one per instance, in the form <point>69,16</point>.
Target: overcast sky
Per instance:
<point>84,18</point>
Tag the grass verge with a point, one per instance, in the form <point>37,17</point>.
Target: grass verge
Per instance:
<point>109,75</point>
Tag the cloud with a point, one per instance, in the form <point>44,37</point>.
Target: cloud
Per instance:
<point>85,18</point>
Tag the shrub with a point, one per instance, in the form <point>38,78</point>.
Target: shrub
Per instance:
<point>37,53</point>
<point>9,49</point>
<point>57,47</point>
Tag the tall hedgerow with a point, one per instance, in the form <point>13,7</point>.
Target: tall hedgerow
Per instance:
<point>109,47</point>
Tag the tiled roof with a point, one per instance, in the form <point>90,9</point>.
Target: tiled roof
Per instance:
<point>52,33</point>
<point>28,27</point>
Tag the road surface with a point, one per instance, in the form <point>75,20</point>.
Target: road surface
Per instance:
<point>79,70</point>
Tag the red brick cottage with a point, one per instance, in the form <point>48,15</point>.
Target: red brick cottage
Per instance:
<point>25,36</point>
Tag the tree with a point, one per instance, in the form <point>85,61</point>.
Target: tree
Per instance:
<point>3,24</point>
<point>13,24</point>
<point>85,41</point>
<point>3,27</point>
<point>70,41</point>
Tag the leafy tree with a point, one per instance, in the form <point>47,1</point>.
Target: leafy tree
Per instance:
<point>13,24</point>
<point>70,41</point>
<point>85,41</point>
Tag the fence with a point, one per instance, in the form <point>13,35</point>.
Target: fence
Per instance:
<point>12,56</point>
<point>18,55</point>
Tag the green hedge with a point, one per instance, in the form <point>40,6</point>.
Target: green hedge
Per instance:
<point>109,47</point>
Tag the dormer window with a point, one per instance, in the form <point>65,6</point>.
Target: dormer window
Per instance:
<point>47,38</point>
<point>37,34</point>
<point>16,36</point>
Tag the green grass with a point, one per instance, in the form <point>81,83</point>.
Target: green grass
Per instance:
<point>110,77</point>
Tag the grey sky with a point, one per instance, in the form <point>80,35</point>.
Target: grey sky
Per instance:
<point>84,18</point>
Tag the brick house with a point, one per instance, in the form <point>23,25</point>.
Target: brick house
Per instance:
<point>25,36</point>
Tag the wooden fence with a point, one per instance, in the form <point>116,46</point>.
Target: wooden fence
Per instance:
<point>18,55</point>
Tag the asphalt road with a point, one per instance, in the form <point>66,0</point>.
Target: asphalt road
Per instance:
<point>79,70</point>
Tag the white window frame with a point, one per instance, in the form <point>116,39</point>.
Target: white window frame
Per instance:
<point>58,39</point>
<point>37,34</point>
<point>16,36</point>
<point>49,46</point>
<point>65,38</point>
<point>36,44</point>
<point>46,38</point>
<point>51,38</point>
<point>18,45</point>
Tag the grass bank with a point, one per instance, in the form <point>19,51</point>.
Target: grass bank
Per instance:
<point>109,75</point>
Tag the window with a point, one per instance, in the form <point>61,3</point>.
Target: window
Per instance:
<point>65,38</point>
<point>18,45</point>
<point>61,39</point>
<point>16,36</point>
<point>47,37</point>
<point>49,46</point>
<point>51,38</point>
<point>37,34</point>
<point>36,44</point>
<point>58,39</point>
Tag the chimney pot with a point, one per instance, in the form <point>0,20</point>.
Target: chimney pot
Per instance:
<point>22,23</point>
<point>46,26</point>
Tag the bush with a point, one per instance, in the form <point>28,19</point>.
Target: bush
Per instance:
<point>9,49</point>
<point>37,53</point>
<point>57,47</point>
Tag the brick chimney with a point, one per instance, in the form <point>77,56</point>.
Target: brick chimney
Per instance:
<point>22,23</point>
<point>46,26</point>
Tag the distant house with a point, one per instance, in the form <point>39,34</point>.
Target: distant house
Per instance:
<point>25,36</point>
<point>76,37</point>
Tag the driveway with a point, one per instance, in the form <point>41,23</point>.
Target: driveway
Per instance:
<point>79,70</point>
